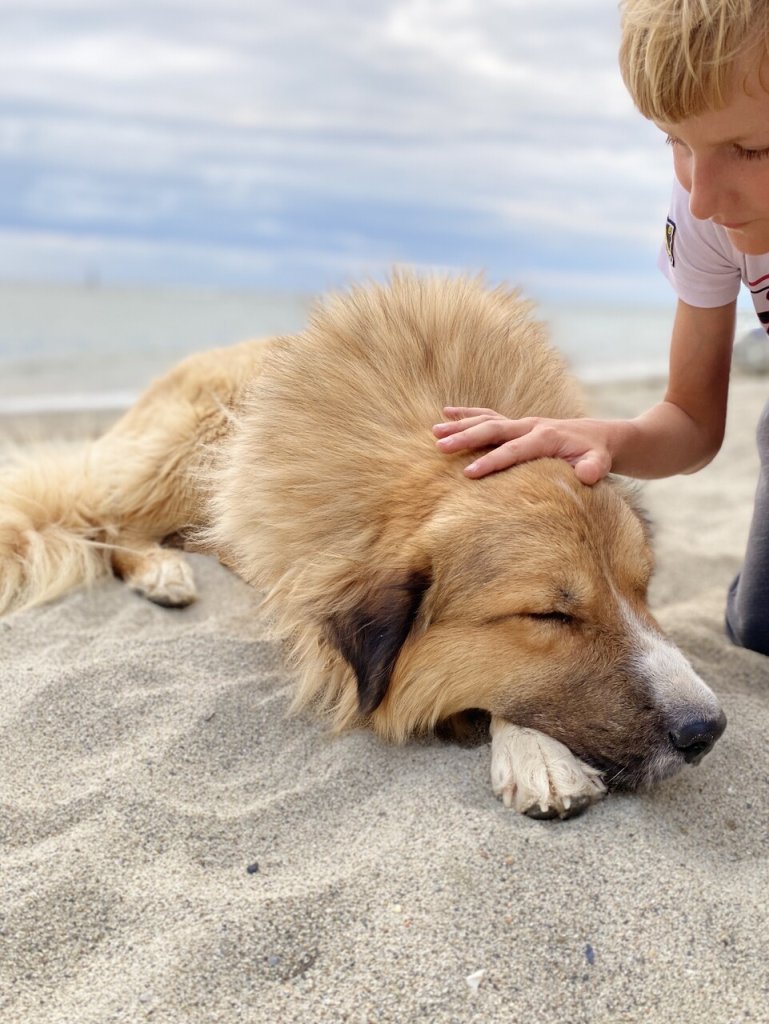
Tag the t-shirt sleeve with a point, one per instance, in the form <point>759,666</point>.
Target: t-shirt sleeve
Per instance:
<point>696,257</point>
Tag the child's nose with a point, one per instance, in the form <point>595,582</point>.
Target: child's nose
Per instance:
<point>705,188</point>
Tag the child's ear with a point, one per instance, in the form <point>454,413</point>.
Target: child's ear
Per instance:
<point>370,635</point>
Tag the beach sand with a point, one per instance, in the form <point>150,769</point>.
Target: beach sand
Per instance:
<point>176,850</point>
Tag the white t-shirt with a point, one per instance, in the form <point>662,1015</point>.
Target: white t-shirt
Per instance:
<point>702,264</point>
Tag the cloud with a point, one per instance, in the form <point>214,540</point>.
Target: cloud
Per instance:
<point>319,138</point>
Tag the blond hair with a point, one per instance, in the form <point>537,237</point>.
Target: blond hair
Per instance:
<point>678,57</point>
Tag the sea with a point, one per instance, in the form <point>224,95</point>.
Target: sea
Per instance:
<point>91,346</point>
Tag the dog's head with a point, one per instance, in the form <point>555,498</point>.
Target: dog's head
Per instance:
<point>525,595</point>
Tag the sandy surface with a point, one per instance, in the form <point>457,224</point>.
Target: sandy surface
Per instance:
<point>176,850</point>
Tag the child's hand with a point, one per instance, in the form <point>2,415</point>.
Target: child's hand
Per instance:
<point>581,442</point>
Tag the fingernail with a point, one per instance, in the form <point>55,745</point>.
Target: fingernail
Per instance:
<point>471,468</point>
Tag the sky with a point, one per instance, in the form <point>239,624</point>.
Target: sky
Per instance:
<point>301,144</point>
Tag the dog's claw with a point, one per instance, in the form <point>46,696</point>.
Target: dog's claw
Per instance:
<point>571,808</point>
<point>541,813</point>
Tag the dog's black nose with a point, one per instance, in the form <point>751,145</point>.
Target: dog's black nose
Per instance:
<point>694,739</point>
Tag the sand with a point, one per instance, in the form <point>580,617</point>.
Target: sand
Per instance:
<point>176,849</point>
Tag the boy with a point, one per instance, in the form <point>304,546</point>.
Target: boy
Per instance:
<point>700,70</point>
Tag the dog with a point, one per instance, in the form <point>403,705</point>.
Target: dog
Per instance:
<point>407,594</point>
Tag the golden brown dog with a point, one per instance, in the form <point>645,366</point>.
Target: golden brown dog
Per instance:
<point>408,593</point>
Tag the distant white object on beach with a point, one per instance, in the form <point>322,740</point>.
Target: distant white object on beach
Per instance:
<point>751,352</point>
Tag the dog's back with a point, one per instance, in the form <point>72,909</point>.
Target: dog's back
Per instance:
<point>352,398</point>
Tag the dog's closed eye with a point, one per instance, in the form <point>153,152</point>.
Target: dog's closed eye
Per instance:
<point>559,618</point>
<point>555,617</point>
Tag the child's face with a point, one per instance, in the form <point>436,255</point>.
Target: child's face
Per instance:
<point>722,160</point>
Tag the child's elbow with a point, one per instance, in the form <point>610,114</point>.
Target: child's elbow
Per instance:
<point>710,447</point>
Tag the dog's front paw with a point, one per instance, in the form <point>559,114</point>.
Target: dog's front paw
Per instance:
<point>539,776</point>
<point>165,578</point>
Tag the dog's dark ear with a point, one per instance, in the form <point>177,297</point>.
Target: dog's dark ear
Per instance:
<point>371,635</point>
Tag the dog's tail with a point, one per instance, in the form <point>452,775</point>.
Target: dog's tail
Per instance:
<point>54,532</point>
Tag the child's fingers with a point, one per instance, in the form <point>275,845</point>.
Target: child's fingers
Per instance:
<point>455,426</point>
<point>592,467</point>
<point>481,434</point>
<point>460,412</point>
<point>511,453</point>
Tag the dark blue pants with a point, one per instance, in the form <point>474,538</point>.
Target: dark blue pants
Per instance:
<point>747,603</point>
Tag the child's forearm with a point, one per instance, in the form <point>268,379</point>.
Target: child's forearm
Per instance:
<point>662,441</point>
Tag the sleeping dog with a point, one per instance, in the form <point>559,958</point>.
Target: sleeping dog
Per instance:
<point>406,593</point>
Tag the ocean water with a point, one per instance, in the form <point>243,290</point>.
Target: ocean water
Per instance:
<point>88,347</point>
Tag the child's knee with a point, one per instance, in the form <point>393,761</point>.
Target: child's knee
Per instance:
<point>746,627</point>
<point>753,636</point>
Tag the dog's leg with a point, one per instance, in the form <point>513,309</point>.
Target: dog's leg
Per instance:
<point>162,575</point>
<point>539,776</point>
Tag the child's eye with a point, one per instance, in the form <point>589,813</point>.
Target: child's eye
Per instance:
<point>751,154</point>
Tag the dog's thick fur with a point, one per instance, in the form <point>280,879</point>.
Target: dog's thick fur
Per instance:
<point>407,593</point>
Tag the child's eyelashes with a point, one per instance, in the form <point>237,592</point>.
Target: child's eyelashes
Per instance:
<point>751,154</point>
<point>671,140</point>
<point>740,152</point>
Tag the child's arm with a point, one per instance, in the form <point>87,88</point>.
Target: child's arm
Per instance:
<point>680,434</point>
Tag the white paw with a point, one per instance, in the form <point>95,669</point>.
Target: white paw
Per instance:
<point>539,776</point>
<point>165,579</point>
